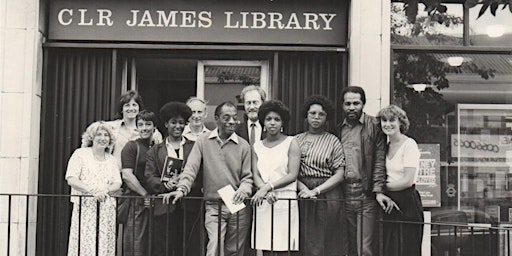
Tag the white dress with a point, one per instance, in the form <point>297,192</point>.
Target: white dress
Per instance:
<point>95,174</point>
<point>272,166</point>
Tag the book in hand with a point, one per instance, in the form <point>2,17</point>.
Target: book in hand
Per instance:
<point>171,170</point>
<point>226,194</point>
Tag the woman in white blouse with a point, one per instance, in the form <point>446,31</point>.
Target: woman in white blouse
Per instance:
<point>94,176</point>
<point>401,201</point>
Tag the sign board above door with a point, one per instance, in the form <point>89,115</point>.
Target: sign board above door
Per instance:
<point>277,22</point>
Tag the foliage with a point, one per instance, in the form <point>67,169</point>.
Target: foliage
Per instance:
<point>423,27</point>
<point>435,7</point>
<point>230,76</point>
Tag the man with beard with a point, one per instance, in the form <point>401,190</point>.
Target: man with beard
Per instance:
<point>252,96</point>
<point>227,161</point>
<point>365,174</point>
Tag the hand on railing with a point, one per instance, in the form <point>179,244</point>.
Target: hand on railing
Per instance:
<point>308,193</point>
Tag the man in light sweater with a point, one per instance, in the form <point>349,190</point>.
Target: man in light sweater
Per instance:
<point>226,160</point>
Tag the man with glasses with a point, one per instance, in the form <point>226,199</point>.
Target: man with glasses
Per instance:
<point>365,172</point>
<point>227,161</point>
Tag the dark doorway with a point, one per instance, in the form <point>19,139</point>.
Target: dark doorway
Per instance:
<point>162,80</point>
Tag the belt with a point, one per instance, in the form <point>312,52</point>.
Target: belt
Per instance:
<point>353,181</point>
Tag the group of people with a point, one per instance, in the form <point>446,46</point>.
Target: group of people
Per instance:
<point>353,176</point>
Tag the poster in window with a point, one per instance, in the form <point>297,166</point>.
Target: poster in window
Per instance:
<point>428,182</point>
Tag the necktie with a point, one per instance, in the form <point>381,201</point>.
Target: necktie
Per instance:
<point>253,133</point>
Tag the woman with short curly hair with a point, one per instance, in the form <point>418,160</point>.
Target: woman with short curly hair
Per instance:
<point>322,168</point>
<point>92,170</point>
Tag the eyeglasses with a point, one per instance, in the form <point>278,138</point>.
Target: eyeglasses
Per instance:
<point>226,118</point>
<point>314,113</point>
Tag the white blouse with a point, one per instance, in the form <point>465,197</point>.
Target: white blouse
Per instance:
<point>408,155</point>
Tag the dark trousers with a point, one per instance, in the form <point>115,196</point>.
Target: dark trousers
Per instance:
<point>404,239</point>
<point>322,223</point>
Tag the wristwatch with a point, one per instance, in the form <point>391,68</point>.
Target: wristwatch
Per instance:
<point>181,190</point>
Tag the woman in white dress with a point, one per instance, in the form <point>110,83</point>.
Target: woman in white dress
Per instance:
<point>92,170</point>
<point>401,201</point>
<point>276,162</point>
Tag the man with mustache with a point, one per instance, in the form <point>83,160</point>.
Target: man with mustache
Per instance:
<point>252,96</point>
<point>226,160</point>
<point>365,174</point>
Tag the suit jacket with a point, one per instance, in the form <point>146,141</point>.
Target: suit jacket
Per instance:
<point>243,131</point>
<point>155,159</point>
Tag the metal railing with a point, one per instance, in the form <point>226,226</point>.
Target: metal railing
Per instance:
<point>19,217</point>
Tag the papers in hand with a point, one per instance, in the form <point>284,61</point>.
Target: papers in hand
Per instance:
<point>227,193</point>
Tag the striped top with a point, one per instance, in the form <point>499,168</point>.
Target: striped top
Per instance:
<point>320,156</point>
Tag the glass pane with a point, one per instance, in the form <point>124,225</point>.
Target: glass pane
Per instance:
<point>489,30</point>
<point>430,86</point>
<point>437,29</point>
<point>222,83</point>
<point>484,154</point>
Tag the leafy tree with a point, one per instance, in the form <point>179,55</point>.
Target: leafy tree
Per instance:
<point>433,7</point>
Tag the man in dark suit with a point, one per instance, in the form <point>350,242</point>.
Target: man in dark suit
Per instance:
<point>250,129</point>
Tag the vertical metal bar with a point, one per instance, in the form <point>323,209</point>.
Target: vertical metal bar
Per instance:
<point>237,231</point>
<point>202,229</point>
<point>272,228</point>
<point>97,227</point>
<point>9,205</point>
<point>455,237</point>
<point>79,222</point>
<point>289,226</point>
<point>166,230</point>
<point>439,239</point>
<point>255,224</point>
<point>26,225</point>
<point>381,235</point>
<point>401,238</point>
<point>360,217</point>
<point>150,232</point>
<point>508,241</point>
<point>219,219</point>
<point>184,228</point>
<point>472,229</point>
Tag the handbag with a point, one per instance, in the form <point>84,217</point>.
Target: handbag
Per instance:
<point>123,203</point>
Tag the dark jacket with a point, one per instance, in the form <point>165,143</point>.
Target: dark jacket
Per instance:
<point>243,131</point>
<point>373,146</point>
<point>155,158</point>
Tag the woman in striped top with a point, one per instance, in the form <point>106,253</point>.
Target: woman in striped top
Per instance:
<point>321,171</point>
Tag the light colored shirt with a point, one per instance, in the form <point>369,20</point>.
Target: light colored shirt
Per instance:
<point>171,151</point>
<point>187,133</point>
<point>225,163</point>
<point>408,155</point>
<point>257,129</point>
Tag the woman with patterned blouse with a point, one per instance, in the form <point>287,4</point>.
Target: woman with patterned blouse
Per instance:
<point>321,170</point>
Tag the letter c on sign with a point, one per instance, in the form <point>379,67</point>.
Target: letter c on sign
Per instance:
<point>61,14</point>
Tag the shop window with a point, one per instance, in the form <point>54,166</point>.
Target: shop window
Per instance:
<point>489,30</point>
<point>218,81</point>
<point>462,97</point>
<point>438,29</point>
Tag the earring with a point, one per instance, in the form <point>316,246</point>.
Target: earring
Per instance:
<point>282,130</point>
<point>264,128</point>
